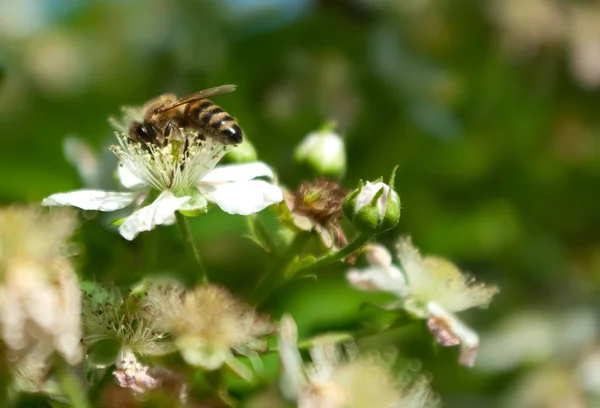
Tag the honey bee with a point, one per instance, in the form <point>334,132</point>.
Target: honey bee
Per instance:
<point>165,115</point>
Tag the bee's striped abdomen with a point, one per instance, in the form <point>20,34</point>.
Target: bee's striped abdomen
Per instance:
<point>216,122</point>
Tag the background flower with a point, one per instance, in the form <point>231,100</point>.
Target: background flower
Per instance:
<point>430,288</point>
<point>39,292</point>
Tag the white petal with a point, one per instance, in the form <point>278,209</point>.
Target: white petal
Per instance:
<point>447,325</point>
<point>238,172</point>
<point>387,279</point>
<point>160,212</point>
<point>245,197</point>
<point>128,179</point>
<point>79,154</point>
<point>293,378</point>
<point>92,200</point>
<point>378,255</point>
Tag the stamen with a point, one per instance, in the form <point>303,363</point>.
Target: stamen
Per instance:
<point>174,166</point>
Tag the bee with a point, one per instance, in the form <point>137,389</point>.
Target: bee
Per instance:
<point>165,115</point>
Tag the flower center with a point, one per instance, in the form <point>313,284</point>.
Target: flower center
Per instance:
<point>177,164</point>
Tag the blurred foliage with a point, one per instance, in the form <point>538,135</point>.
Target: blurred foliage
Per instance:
<point>498,150</point>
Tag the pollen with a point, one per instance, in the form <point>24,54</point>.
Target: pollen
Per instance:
<point>175,166</point>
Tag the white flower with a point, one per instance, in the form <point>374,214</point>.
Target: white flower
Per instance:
<point>333,381</point>
<point>40,299</point>
<point>429,288</point>
<point>208,324</point>
<point>125,321</point>
<point>324,151</point>
<point>181,176</point>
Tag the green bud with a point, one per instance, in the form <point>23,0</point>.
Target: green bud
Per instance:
<point>243,153</point>
<point>324,152</point>
<point>373,207</point>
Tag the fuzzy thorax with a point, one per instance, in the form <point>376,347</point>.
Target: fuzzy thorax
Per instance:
<point>177,165</point>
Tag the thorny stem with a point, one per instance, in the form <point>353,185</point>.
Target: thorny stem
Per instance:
<point>217,381</point>
<point>184,228</point>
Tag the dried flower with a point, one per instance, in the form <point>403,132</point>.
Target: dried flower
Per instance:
<point>332,381</point>
<point>39,294</point>
<point>318,205</point>
<point>178,175</point>
<point>208,324</point>
<point>430,288</point>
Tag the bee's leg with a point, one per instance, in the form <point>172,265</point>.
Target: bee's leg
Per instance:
<point>170,129</point>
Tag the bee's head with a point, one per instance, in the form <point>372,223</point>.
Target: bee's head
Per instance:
<point>142,132</point>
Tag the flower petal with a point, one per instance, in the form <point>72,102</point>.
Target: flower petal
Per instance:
<point>128,179</point>
<point>91,200</point>
<point>449,330</point>
<point>238,172</point>
<point>378,255</point>
<point>293,378</point>
<point>244,197</point>
<point>160,212</point>
<point>374,278</point>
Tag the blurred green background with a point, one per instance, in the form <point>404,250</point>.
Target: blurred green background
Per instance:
<point>489,107</point>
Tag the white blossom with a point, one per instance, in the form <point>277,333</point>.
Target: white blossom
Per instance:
<point>429,288</point>
<point>178,175</point>
<point>208,324</point>
<point>40,299</point>
<point>333,380</point>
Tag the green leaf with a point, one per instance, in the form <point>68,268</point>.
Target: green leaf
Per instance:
<point>327,338</point>
<point>261,236</point>
<point>118,221</point>
<point>104,352</point>
<point>299,264</point>
<point>58,404</point>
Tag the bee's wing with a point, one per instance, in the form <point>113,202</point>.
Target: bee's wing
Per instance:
<point>207,93</point>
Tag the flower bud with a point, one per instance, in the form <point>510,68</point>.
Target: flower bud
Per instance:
<point>324,152</point>
<point>373,207</point>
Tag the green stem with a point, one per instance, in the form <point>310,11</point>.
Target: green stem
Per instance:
<point>359,241</point>
<point>273,279</point>
<point>184,228</point>
<point>71,385</point>
<point>217,381</point>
